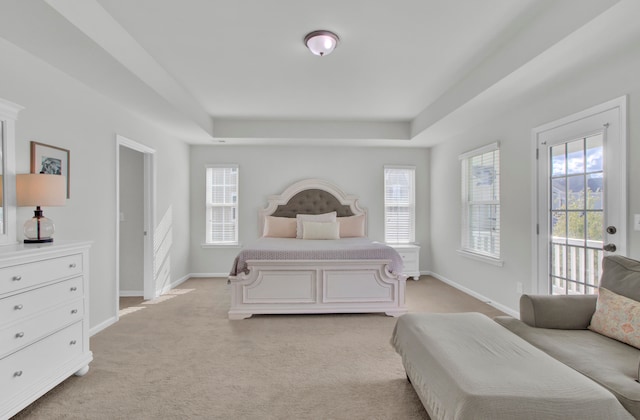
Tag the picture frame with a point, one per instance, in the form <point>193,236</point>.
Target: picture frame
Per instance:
<point>51,160</point>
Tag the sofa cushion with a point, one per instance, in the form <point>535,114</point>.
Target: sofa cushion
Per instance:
<point>617,317</point>
<point>612,364</point>
<point>621,275</point>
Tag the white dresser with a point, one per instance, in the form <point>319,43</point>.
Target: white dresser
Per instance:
<point>44,319</point>
<point>410,254</point>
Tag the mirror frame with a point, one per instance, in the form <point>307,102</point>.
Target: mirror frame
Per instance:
<point>8,115</point>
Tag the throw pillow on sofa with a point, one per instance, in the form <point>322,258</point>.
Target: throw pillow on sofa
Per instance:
<point>617,317</point>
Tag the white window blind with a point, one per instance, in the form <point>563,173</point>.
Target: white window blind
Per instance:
<point>481,201</point>
<point>222,205</point>
<point>399,204</point>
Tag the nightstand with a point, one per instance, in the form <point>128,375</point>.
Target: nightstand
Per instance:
<point>410,254</point>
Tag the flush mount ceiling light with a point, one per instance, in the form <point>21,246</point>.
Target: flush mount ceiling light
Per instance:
<point>321,42</point>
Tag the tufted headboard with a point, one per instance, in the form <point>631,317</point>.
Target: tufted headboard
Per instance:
<point>312,201</point>
<point>310,196</point>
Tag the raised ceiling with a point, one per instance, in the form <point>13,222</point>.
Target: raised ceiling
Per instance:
<point>405,73</point>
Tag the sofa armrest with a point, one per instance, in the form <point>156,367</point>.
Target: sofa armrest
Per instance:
<point>565,312</point>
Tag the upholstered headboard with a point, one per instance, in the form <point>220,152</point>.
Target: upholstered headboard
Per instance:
<point>312,201</point>
<point>310,196</point>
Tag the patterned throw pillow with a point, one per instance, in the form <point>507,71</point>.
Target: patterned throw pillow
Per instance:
<point>617,317</point>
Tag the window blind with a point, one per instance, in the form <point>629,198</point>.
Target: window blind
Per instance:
<point>481,201</point>
<point>222,204</point>
<point>399,204</point>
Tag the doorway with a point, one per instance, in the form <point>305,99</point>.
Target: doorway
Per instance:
<point>581,198</point>
<point>135,204</point>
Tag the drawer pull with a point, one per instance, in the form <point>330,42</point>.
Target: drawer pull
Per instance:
<point>72,265</point>
<point>74,311</point>
<point>17,278</point>
<point>73,342</point>
<point>74,288</point>
<point>18,307</point>
<point>17,374</point>
<point>20,334</point>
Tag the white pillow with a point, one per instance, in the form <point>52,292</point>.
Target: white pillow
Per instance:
<point>321,230</point>
<point>301,218</point>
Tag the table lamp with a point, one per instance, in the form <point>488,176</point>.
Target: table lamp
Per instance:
<point>40,190</point>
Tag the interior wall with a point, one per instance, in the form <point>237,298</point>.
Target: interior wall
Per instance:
<point>266,171</point>
<point>131,222</point>
<point>62,112</point>
<point>606,79</point>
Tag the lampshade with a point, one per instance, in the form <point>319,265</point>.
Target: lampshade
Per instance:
<point>321,42</point>
<point>44,190</point>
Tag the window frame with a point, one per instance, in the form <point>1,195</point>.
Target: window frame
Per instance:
<point>208,241</point>
<point>411,206</point>
<point>466,248</point>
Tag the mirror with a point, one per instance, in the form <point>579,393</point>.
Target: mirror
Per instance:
<point>8,115</point>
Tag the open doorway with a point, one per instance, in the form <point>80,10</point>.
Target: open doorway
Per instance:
<point>135,221</point>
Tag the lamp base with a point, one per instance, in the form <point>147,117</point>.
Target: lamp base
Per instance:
<point>38,241</point>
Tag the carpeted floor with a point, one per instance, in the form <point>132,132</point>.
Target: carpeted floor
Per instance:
<point>182,359</point>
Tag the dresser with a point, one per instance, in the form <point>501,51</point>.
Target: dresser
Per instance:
<point>410,254</point>
<point>44,319</point>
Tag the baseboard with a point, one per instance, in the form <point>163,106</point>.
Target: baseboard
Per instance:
<point>175,284</point>
<point>499,306</point>
<point>131,293</point>
<point>109,322</point>
<point>203,275</point>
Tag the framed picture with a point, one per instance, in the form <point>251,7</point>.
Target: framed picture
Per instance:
<point>50,160</point>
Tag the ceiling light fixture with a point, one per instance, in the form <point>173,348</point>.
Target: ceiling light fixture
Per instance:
<point>321,42</point>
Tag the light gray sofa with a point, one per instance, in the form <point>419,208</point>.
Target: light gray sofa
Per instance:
<point>558,326</point>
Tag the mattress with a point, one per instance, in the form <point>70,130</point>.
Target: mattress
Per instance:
<point>305,249</point>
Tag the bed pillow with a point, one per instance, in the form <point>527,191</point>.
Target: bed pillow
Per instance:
<point>321,230</point>
<point>617,317</point>
<point>352,226</point>
<point>279,227</point>
<point>301,218</point>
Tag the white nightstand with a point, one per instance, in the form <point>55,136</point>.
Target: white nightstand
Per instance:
<point>410,254</point>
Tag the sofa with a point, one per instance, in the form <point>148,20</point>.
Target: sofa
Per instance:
<point>568,329</point>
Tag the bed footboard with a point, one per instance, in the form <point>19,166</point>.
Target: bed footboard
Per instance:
<point>313,286</point>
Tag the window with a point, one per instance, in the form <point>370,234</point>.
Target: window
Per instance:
<point>222,205</point>
<point>481,201</point>
<point>399,204</point>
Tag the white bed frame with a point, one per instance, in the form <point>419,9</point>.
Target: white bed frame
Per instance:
<point>315,286</point>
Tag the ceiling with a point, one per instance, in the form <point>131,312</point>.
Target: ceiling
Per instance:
<point>406,72</point>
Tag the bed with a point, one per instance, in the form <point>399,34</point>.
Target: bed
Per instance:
<point>305,275</point>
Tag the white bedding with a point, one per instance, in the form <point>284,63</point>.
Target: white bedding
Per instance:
<point>304,249</point>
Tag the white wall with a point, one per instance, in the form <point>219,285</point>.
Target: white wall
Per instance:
<point>131,222</point>
<point>266,171</point>
<point>62,112</point>
<point>597,83</point>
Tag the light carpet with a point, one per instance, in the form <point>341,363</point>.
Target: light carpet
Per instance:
<point>183,359</point>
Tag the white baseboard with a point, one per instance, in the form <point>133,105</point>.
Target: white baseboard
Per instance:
<point>175,284</point>
<point>131,293</point>
<point>202,275</point>
<point>507,310</point>
<point>95,330</point>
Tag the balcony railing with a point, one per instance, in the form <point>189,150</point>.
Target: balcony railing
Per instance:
<point>575,266</point>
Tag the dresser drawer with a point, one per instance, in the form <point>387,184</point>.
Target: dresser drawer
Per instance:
<point>26,368</point>
<point>18,277</point>
<point>32,329</point>
<point>24,305</point>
